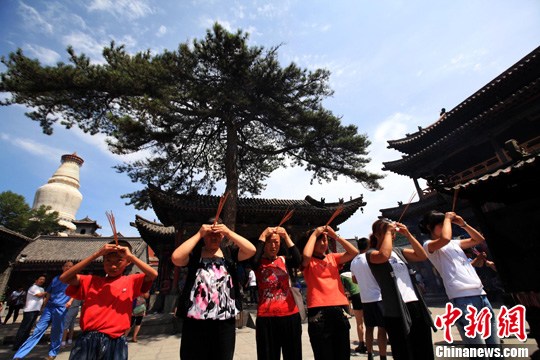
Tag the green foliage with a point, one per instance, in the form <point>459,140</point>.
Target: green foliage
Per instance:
<point>16,215</point>
<point>14,211</point>
<point>214,109</point>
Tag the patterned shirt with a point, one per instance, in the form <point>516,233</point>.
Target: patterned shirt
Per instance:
<point>210,296</point>
<point>275,296</point>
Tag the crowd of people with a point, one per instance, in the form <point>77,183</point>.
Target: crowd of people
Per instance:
<point>373,282</point>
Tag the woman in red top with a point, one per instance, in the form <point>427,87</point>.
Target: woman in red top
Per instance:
<point>328,325</point>
<point>278,325</point>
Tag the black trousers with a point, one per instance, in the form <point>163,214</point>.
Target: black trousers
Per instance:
<point>208,339</point>
<point>13,310</point>
<point>328,329</point>
<point>417,344</point>
<point>29,318</point>
<point>279,333</point>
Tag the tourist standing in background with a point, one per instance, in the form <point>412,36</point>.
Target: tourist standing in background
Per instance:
<point>15,303</point>
<point>69,321</point>
<point>31,311</point>
<point>139,312</point>
<point>328,325</point>
<point>251,285</point>
<point>353,291</point>
<point>54,311</point>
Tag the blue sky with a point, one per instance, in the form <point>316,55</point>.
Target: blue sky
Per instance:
<point>394,65</point>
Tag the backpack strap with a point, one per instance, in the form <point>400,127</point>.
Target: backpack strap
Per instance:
<point>425,310</point>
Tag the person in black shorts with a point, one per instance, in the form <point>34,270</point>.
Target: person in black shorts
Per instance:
<point>353,292</point>
<point>372,305</point>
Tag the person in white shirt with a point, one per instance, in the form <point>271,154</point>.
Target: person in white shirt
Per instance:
<point>461,282</point>
<point>370,295</point>
<point>407,319</point>
<point>252,286</point>
<point>31,311</point>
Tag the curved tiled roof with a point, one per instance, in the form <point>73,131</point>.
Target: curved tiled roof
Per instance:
<point>176,208</point>
<point>48,249</point>
<point>518,166</point>
<point>150,227</point>
<point>13,235</point>
<point>506,85</point>
<point>157,235</point>
<point>404,211</point>
<point>406,165</point>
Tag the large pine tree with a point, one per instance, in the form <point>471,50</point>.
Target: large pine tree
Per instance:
<point>214,109</point>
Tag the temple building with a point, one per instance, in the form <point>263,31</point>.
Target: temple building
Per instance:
<point>61,192</point>
<point>12,244</point>
<point>482,157</point>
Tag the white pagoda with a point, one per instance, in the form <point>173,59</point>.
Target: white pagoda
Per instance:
<point>61,192</point>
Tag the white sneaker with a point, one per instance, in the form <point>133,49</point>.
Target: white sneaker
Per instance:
<point>63,344</point>
<point>70,342</point>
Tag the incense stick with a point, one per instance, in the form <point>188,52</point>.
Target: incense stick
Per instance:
<point>335,214</point>
<point>112,222</point>
<point>286,218</point>
<point>454,201</point>
<point>406,207</point>
<point>222,201</point>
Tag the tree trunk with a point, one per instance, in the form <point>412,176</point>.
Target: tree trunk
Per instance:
<point>231,176</point>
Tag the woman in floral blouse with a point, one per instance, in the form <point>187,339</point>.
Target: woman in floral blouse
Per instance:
<point>211,297</point>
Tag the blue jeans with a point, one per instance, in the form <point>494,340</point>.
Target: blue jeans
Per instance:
<point>94,345</point>
<point>478,302</point>
<point>52,315</point>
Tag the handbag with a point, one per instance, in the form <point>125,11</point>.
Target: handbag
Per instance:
<point>139,309</point>
<point>299,300</point>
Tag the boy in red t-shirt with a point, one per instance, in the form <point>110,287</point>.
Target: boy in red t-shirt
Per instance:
<point>106,312</point>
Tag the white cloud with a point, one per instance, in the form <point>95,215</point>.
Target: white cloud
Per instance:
<point>99,142</point>
<point>294,183</point>
<point>273,10</point>
<point>127,40</point>
<point>325,28</point>
<point>84,43</point>
<point>161,31</point>
<point>208,23</point>
<point>239,11</point>
<point>470,61</point>
<point>44,55</point>
<point>33,147</point>
<point>131,9</point>
<point>33,19</point>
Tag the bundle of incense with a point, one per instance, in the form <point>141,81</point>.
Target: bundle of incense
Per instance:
<point>286,218</point>
<point>112,222</point>
<point>454,201</point>
<point>406,207</point>
<point>222,201</point>
<point>335,214</point>
<point>476,252</point>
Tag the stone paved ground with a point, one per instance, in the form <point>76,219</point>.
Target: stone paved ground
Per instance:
<point>165,347</point>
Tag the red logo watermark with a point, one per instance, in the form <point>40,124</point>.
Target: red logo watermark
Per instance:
<point>509,322</point>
